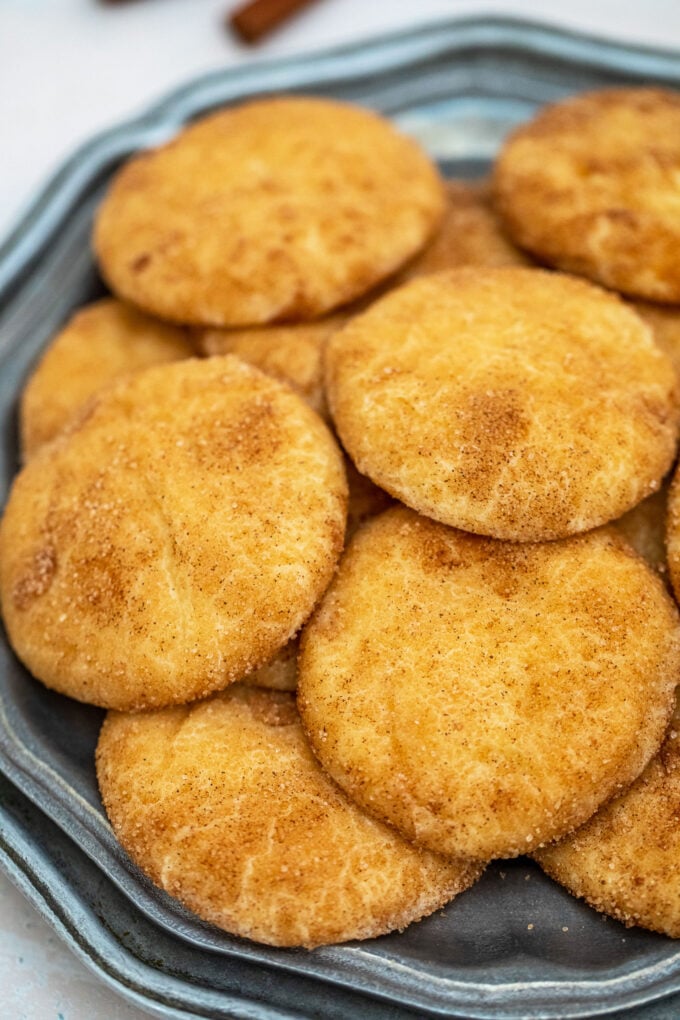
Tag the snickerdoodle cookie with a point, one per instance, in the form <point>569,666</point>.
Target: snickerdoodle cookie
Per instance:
<point>100,343</point>
<point>518,403</point>
<point>590,185</point>
<point>276,210</point>
<point>173,537</point>
<point>223,804</point>
<point>482,696</point>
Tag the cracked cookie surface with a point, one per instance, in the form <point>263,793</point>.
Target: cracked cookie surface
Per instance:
<point>590,186</point>
<point>223,804</point>
<point>510,402</point>
<point>276,210</point>
<point>173,537</point>
<point>486,696</point>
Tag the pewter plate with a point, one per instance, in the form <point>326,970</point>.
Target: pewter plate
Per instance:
<point>515,946</point>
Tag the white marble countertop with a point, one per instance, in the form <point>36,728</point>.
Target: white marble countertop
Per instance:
<point>39,977</point>
<point>69,68</point>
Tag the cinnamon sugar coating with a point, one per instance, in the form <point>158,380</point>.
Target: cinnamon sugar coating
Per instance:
<point>99,344</point>
<point>276,210</point>
<point>517,403</point>
<point>223,805</point>
<point>484,697</point>
<point>590,186</point>
<point>173,538</point>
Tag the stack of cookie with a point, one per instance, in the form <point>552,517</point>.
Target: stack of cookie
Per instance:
<point>402,444</point>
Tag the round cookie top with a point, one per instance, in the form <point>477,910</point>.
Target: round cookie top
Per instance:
<point>510,402</point>
<point>481,696</point>
<point>100,343</point>
<point>173,538</point>
<point>280,209</point>
<point>590,186</point>
<point>223,804</point>
<point>624,861</point>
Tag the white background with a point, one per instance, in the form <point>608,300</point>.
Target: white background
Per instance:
<point>69,68</point>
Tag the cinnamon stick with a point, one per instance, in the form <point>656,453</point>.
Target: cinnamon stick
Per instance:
<point>258,18</point>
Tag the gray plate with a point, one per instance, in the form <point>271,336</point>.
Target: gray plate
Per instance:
<point>459,87</point>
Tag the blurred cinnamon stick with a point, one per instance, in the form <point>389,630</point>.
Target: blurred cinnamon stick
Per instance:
<point>258,18</point>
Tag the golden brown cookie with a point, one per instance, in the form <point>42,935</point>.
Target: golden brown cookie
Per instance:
<point>100,343</point>
<point>173,537</point>
<point>481,696</point>
<point>518,403</point>
<point>223,805</point>
<point>470,234</point>
<point>590,185</point>
<point>276,210</point>
<point>291,353</point>
<point>624,861</point>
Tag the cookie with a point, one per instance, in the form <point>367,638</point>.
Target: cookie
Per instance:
<point>290,353</point>
<point>173,538</point>
<point>590,186</point>
<point>624,861</point>
<point>99,344</point>
<point>470,234</point>
<point>484,697</point>
<point>223,805</point>
<point>517,403</point>
<point>276,210</point>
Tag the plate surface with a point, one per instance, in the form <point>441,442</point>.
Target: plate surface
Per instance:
<point>515,945</point>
